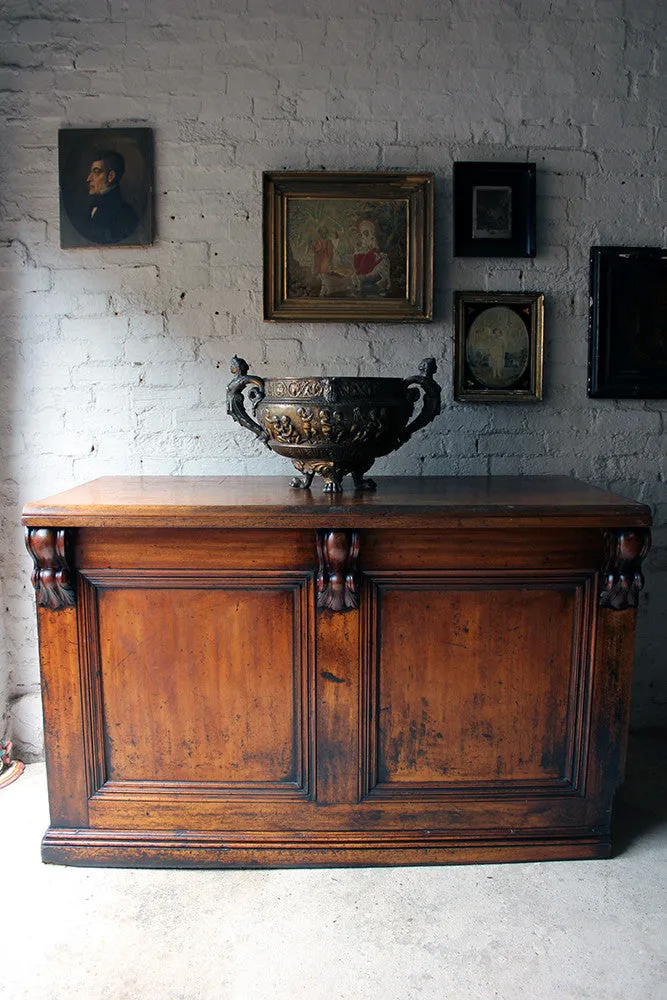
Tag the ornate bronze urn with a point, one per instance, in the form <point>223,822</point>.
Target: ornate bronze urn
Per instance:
<point>330,426</point>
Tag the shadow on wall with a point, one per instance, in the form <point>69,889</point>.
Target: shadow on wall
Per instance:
<point>20,279</point>
<point>8,485</point>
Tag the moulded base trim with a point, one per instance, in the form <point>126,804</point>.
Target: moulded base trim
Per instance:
<point>314,849</point>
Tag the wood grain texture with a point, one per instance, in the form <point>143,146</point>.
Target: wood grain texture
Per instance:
<point>66,764</point>
<point>202,679</point>
<point>222,849</point>
<point>490,696</point>
<point>202,711</point>
<point>268,501</point>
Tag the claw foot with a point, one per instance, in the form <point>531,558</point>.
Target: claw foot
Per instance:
<point>298,483</point>
<point>363,484</point>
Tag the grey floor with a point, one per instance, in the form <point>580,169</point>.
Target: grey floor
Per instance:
<point>579,930</point>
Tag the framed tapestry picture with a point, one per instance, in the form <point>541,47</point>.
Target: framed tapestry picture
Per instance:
<point>498,347</point>
<point>348,246</point>
<point>494,209</point>
<point>627,356</point>
<point>106,187</point>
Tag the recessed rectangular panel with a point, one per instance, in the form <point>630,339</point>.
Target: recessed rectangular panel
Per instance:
<point>201,685</point>
<point>474,685</point>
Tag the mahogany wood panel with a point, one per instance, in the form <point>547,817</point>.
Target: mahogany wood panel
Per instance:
<point>490,696</point>
<point>472,549</point>
<point>202,681</point>
<point>337,710</point>
<point>63,721</point>
<point>204,548</point>
<point>459,693</point>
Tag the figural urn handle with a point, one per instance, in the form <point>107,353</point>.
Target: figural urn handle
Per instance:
<point>235,404</point>
<point>431,402</point>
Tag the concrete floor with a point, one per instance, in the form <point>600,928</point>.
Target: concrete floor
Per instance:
<point>591,930</point>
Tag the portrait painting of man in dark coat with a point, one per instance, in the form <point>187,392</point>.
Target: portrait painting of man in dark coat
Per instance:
<point>106,187</point>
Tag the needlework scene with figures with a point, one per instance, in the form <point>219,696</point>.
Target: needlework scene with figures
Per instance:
<point>350,247</point>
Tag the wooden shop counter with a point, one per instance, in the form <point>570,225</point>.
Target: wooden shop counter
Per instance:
<point>239,674</point>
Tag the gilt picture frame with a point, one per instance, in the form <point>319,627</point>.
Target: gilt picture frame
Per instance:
<point>348,246</point>
<point>498,347</point>
<point>494,209</point>
<point>627,356</point>
<point>106,187</point>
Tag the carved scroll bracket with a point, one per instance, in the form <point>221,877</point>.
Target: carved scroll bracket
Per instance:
<point>338,571</point>
<point>51,576</point>
<point>625,549</point>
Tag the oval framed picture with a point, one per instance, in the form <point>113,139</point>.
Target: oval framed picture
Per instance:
<point>499,338</point>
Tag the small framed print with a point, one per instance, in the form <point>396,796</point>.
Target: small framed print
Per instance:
<point>627,357</point>
<point>106,187</point>
<point>494,209</point>
<point>498,349</point>
<point>348,246</point>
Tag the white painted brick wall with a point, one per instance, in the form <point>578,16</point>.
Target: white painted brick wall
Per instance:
<point>116,361</point>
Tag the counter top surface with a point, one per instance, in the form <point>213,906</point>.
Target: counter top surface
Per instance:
<point>269,501</point>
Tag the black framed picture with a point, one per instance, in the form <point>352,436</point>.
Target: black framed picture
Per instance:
<point>498,347</point>
<point>627,357</point>
<point>494,209</point>
<point>106,187</point>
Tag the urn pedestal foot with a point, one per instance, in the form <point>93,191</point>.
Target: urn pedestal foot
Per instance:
<point>360,483</point>
<point>297,483</point>
<point>333,481</point>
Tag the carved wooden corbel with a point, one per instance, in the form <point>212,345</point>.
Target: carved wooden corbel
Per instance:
<point>625,549</point>
<point>338,571</point>
<point>51,576</point>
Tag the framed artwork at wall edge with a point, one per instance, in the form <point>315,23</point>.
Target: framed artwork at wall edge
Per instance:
<point>106,187</point>
<point>494,209</point>
<point>498,346</point>
<point>627,349</point>
<point>348,246</point>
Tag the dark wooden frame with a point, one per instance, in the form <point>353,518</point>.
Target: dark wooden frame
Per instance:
<point>469,305</point>
<point>519,179</point>
<point>627,356</point>
<point>416,189</point>
<point>76,150</point>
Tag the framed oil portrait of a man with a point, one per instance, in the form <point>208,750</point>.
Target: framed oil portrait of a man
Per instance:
<point>498,349</point>
<point>106,187</point>
<point>348,246</point>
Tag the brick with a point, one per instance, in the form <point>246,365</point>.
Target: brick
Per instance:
<point>108,279</point>
<point>633,137</point>
<point>25,279</point>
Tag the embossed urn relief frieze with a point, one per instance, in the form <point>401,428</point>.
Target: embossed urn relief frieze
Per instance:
<point>332,426</point>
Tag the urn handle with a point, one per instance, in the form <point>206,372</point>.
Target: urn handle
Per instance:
<point>431,399</point>
<point>235,402</point>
